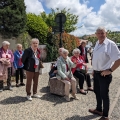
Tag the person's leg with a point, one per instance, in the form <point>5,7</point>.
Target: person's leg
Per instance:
<point>21,75</point>
<point>67,87</point>
<point>35,82</point>
<point>87,76</point>
<point>17,76</point>
<point>81,78</point>
<point>97,91</point>
<point>9,78</point>
<point>1,85</point>
<point>73,85</point>
<point>29,82</point>
<point>104,90</point>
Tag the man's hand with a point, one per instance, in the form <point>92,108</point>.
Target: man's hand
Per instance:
<point>106,72</point>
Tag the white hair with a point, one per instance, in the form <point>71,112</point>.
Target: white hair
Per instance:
<point>60,49</point>
<point>5,43</point>
<point>65,51</point>
<point>19,45</point>
<point>101,29</point>
<point>76,50</point>
<point>35,40</point>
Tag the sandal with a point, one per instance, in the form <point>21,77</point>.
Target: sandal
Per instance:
<point>90,89</point>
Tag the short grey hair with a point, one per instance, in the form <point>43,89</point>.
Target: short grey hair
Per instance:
<point>75,51</point>
<point>5,43</point>
<point>101,29</point>
<point>60,49</point>
<point>65,51</point>
<point>35,40</point>
<point>19,44</point>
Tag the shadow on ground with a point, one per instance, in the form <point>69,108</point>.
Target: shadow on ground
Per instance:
<point>77,117</point>
<point>55,99</point>
<point>13,100</point>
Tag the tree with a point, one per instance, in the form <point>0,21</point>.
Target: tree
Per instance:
<point>71,21</point>
<point>12,17</point>
<point>36,27</point>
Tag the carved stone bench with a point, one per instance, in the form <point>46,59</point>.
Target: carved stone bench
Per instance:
<point>56,86</point>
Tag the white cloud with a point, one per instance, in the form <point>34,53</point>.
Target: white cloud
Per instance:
<point>33,6</point>
<point>108,14</point>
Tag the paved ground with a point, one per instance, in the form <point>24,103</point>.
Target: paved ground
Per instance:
<point>14,105</point>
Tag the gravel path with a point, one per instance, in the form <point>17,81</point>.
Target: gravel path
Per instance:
<point>14,105</point>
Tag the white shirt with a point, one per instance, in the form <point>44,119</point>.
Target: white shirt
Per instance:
<point>104,55</point>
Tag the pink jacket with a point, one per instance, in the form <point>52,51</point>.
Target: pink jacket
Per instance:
<point>3,68</point>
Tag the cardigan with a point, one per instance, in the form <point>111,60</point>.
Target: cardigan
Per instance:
<point>17,57</point>
<point>79,64</point>
<point>61,67</point>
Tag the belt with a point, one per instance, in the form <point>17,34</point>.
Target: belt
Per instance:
<point>95,71</point>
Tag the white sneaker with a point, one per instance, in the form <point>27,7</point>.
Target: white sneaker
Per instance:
<point>75,97</point>
<point>36,96</point>
<point>29,97</point>
<point>67,98</point>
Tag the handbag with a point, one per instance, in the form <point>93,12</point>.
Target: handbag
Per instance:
<point>41,64</point>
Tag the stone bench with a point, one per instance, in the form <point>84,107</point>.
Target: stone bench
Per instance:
<point>56,86</point>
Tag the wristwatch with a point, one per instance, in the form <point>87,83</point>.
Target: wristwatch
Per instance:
<point>110,70</point>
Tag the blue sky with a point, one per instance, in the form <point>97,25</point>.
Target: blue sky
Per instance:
<point>92,13</point>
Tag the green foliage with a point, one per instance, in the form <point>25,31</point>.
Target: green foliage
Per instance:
<point>24,39</point>
<point>12,17</point>
<point>71,21</point>
<point>115,36</point>
<point>36,27</point>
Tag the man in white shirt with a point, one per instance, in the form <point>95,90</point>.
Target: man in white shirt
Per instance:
<point>106,58</point>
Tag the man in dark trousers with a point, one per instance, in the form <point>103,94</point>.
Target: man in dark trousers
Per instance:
<point>83,51</point>
<point>106,58</point>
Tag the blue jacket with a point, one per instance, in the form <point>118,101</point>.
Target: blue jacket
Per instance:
<point>16,59</point>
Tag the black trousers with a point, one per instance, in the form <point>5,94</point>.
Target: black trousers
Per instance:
<point>1,84</point>
<point>81,78</point>
<point>9,76</point>
<point>19,72</point>
<point>101,90</point>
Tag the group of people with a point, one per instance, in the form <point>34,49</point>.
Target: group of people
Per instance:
<point>105,59</point>
<point>28,60</point>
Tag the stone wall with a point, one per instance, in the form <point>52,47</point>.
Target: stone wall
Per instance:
<point>12,42</point>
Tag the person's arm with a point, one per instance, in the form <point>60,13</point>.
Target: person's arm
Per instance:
<point>15,60</point>
<point>12,57</point>
<point>114,55</point>
<point>25,56</point>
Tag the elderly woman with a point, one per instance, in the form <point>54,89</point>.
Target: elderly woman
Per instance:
<point>53,70</point>
<point>31,62</point>
<point>7,58</point>
<point>78,71</point>
<point>64,65</point>
<point>18,65</point>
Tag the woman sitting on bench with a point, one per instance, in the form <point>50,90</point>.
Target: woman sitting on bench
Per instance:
<point>64,65</point>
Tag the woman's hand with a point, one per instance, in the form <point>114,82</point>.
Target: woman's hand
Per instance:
<point>85,64</point>
<point>55,71</point>
<point>67,79</point>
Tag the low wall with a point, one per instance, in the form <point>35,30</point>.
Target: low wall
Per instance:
<point>46,69</point>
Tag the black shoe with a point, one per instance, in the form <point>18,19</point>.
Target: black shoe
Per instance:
<point>17,85</point>
<point>84,93</point>
<point>22,84</point>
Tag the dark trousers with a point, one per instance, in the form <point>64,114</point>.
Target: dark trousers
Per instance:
<point>19,72</point>
<point>101,90</point>
<point>1,84</point>
<point>9,76</point>
<point>82,77</point>
<point>31,76</point>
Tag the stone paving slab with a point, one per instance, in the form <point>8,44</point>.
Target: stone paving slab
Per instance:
<point>14,105</point>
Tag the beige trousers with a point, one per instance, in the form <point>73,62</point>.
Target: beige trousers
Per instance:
<point>69,85</point>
